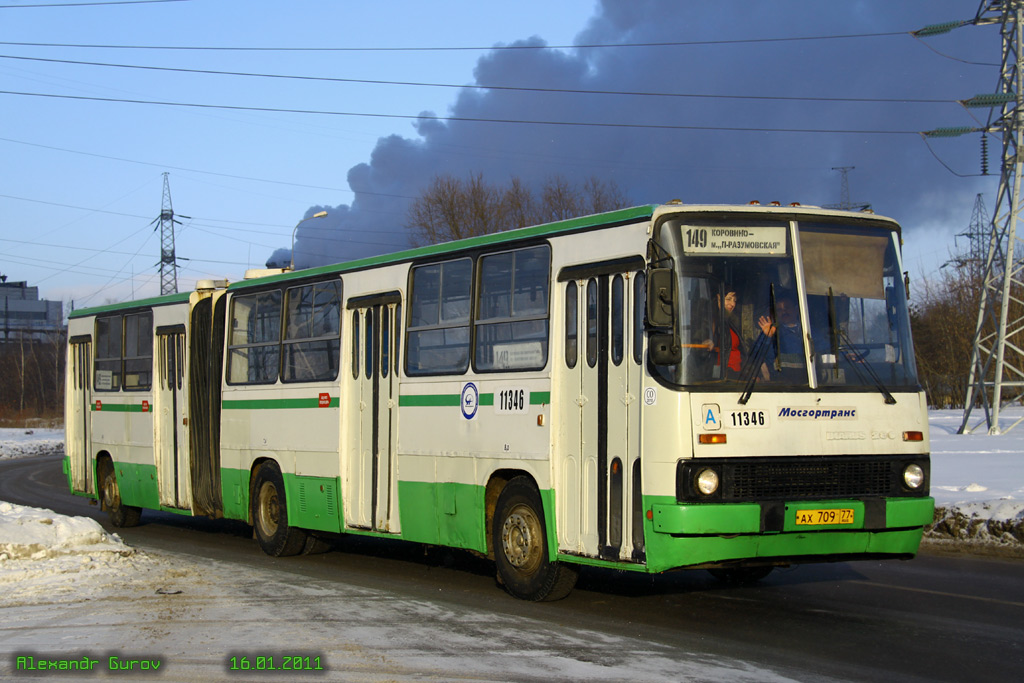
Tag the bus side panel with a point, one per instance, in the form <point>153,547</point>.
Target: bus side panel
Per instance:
<point>463,434</point>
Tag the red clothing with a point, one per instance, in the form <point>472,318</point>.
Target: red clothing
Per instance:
<point>734,351</point>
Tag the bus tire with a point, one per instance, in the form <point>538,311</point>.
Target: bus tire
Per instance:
<point>315,545</point>
<point>740,576</point>
<point>121,516</point>
<point>270,514</point>
<point>520,546</point>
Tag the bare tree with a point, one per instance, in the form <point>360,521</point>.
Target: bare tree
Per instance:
<point>943,323</point>
<point>451,209</point>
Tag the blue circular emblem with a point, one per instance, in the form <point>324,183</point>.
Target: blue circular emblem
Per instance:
<point>470,401</point>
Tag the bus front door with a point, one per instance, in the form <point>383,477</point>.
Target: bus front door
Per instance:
<point>370,503</point>
<point>169,415</point>
<point>79,413</point>
<point>600,472</point>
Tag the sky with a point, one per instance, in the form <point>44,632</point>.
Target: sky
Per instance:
<point>727,113</point>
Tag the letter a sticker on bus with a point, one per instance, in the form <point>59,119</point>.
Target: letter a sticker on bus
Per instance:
<point>710,415</point>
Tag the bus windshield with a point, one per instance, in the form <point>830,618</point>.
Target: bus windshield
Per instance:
<point>743,318</point>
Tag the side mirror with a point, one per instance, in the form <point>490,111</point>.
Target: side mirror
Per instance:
<point>661,289</point>
<point>664,350</point>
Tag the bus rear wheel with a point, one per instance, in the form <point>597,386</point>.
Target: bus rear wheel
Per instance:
<point>121,515</point>
<point>520,546</point>
<point>270,514</point>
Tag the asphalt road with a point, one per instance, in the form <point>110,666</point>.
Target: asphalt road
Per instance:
<point>935,618</point>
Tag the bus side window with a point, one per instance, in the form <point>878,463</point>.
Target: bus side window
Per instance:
<point>355,344</point>
<point>438,331</point>
<point>592,322</point>
<point>138,351</point>
<point>618,320</point>
<point>572,343</point>
<point>312,332</point>
<point>398,337</point>
<point>108,353</point>
<point>512,310</point>
<point>639,301</point>
<point>254,347</point>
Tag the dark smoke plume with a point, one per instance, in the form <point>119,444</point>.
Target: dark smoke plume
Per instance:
<point>715,161</point>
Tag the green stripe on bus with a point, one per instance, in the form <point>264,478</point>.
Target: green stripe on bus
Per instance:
<point>429,400</point>
<point>105,407</point>
<point>277,403</point>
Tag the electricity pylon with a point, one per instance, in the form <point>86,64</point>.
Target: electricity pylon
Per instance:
<point>977,235</point>
<point>996,376</point>
<point>168,262</point>
<point>844,192</point>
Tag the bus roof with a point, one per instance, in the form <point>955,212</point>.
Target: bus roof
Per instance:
<point>570,225</point>
<point>165,300</point>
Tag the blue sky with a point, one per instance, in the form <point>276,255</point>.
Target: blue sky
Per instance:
<point>81,179</point>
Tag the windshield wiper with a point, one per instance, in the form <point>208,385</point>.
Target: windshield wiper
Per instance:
<point>833,334</point>
<point>750,370</point>
<point>859,363</point>
<point>749,376</point>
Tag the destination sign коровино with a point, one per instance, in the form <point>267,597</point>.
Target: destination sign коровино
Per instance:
<point>759,240</point>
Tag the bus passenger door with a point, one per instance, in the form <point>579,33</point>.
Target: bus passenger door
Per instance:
<point>601,403</point>
<point>78,412</point>
<point>171,439</point>
<point>371,503</point>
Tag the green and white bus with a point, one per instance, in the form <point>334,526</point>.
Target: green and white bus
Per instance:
<point>669,386</point>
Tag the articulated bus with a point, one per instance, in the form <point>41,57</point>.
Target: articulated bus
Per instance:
<point>673,386</point>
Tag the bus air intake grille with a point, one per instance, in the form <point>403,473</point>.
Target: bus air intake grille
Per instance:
<point>794,481</point>
<point>801,478</point>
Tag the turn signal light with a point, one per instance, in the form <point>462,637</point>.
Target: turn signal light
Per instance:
<point>712,438</point>
<point>913,436</point>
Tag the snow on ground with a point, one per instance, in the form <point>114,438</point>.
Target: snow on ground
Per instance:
<point>70,592</point>
<point>21,443</point>
<point>69,589</point>
<point>978,479</point>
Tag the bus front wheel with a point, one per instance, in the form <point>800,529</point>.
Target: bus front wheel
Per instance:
<point>520,546</point>
<point>121,515</point>
<point>270,514</point>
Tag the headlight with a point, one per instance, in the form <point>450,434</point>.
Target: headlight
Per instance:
<point>913,476</point>
<point>707,481</point>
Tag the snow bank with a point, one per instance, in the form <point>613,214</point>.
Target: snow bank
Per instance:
<point>977,481</point>
<point>45,554</point>
<point>22,443</point>
<point>83,594</point>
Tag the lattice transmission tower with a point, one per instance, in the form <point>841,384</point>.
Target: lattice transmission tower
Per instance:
<point>168,261</point>
<point>844,192</point>
<point>996,373</point>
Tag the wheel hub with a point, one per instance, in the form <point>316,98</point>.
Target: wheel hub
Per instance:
<point>520,539</point>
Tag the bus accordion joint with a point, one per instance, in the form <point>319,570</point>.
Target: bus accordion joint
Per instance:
<point>712,438</point>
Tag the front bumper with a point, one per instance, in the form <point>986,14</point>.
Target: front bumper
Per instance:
<point>694,534</point>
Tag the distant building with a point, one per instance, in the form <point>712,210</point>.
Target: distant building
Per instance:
<point>24,316</point>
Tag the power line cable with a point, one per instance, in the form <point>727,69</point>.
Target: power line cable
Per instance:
<point>90,4</point>
<point>464,48</point>
<point>104,251</point>
<point>194,170</point>
<point>462,119</point>
<point>571,91</point>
